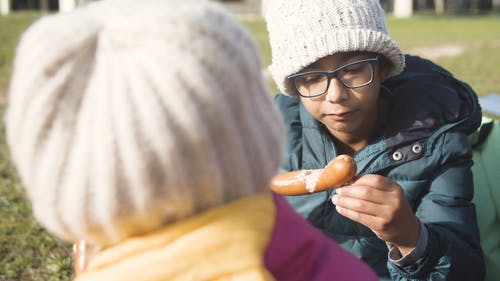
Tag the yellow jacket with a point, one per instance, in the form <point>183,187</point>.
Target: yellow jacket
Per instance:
<point>233,238</point>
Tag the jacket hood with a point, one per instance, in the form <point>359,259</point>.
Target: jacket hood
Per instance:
<point>425,98</point>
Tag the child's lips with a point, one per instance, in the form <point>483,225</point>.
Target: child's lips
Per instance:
<point>343,116</point>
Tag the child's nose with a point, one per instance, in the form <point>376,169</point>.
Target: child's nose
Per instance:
<point>336,92</point>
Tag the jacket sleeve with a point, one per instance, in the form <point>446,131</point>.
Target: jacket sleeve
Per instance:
<point>453,251</point>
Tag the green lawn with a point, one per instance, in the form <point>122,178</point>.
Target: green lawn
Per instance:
<point>10,27</point>
<point>27,252</point>
<point>478,37</point>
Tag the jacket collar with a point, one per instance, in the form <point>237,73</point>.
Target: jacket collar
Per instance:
<point>181,251</point>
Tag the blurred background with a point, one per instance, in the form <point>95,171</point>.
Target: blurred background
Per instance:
<point>463,36</point>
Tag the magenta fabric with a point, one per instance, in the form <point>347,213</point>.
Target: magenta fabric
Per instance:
<point>299,252</point>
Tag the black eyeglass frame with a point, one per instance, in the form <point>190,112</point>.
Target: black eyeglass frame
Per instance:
<point>335,74</point>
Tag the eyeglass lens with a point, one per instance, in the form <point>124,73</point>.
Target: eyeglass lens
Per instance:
<point>351,76</point>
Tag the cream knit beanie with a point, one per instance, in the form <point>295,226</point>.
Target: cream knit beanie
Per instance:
<point>304,31</point>
<point>124,116</point>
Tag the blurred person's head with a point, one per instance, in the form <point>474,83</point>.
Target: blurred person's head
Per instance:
<point>125,116</point>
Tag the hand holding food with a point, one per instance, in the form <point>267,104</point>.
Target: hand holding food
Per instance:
<point>336,173</point>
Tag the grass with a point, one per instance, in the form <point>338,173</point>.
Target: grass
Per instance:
<point>28,252</point>
<point>477,36</point>
<point>10,28</point>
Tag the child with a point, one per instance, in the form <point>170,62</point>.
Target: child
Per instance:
<point>130,126</point>
<point>348,89</point>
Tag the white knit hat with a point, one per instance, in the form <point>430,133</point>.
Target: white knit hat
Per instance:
<point>127,115</point>
<point>303,31</point>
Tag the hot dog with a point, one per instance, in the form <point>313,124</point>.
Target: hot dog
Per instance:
<point>336,173</point>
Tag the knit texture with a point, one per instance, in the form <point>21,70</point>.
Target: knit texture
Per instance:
<point>304,31</point>
<point>124,116</point>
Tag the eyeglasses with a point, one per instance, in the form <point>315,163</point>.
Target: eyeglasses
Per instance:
<point>353,75</point>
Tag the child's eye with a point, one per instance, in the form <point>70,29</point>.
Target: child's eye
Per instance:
<point>312,78</point>
<point>353,69</point>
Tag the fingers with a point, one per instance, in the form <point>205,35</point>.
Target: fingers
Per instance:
<point>379,204</point>
<point>361,192</point>
<point>366,219</point>
<point>370,188</point>
<point>357,204</point>
<point>370,200</point>
<point>376,216</point>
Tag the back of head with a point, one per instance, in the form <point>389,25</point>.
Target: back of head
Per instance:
<point>304,31</point>
<point>124,116</point>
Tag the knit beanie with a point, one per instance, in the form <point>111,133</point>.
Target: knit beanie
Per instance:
<point>124,116</point>
<point>303,31</point>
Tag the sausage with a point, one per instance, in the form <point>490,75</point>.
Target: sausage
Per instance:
<point>336,173</point>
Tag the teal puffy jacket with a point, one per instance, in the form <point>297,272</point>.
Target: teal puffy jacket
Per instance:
<point>424,147</point>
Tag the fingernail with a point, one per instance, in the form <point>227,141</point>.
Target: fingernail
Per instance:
<point>334,199</point>
<point>339,209</point>
<point>339,191</point>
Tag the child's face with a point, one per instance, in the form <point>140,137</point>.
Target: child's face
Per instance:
<point>346,112</point>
